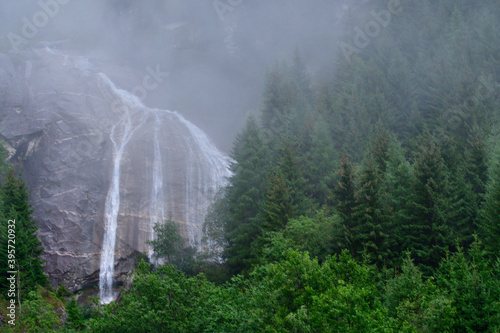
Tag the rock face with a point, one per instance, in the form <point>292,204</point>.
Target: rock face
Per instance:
<point>101,167</point>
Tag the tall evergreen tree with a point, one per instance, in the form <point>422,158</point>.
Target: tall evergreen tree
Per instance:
<point>320,163</point>
<point>491,211</point>
<point>397,185</point>
<point>279,205</point>
<point>380,151</point>
<point>245,195</point>
<point>294,176</point>
<point>344,199</point>
<point>277,114</point>
<point>427,233</point>
<point>372,225</point>
<point>28,248</point>
<point>301,78</point>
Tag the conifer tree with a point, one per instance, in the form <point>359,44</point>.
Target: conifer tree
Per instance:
<point>427,234</point>
<point>301,78</point>
<point>28,248</point>
<point>344,198</point>
<point>397,185</point>
<point>477,172</point>
<point>75,320</point>
<point>277,115</point>
<point>279,205</point>
<point>491,211</point>
<point>380,151</point>
<point>320,163</point>
<point>245,195</point>
<point>372,228</point>
<point>294,176</point>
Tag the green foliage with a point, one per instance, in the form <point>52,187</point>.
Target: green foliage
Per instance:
<point>344,195</point>
<point>312,235</point>
<point>320,163</point>
<point>473,286</point>
<point>171,246</point>
<point>295,295</point>
<point>38,314</point>
<point>245,196</point>
<point>62,291</point>
<point>396,186</point>
<point>417,305</point>
<point>74,313</point>
<point>372,225</point>
<point>287,101</point>
<point>169,242</point>
<point>168,301</point>
<point>214,240</point>
<point>427,234</point>
<point>15,206</point>
<point>491,211</point>
<point>279,206</point>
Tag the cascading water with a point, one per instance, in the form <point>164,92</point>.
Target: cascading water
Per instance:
<point>125,103</point>
<point>205,171</point>
<point>214,176</point>
<point>157,209</point>
<point>112,207</point>
<point>155,163</point>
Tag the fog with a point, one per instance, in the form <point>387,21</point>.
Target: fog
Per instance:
<point>215,51</point>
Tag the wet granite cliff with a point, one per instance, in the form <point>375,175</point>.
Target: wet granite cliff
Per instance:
<point>101,167</point>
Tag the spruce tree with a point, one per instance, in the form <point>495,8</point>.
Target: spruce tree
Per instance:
<point>491,212</point>
<point>320,163</point>
<point>75,320</point>
<point>294,176</point>
<point>427,234</point>
<point>372,226</point>
<point>279,205</point>
<point>477,168</point>
<point>277,115</point>
<point>28,248</point>
<point>397,185</point>
<point>245,195</point>
<point>380,151</point>
<point>344,199</point>
<point>301,78</point>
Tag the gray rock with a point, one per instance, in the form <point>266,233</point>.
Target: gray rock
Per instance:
<point>56,117</point>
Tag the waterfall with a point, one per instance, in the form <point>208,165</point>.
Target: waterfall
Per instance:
<point>112,205</point>
<point>208,170</point>
<point>157,209</point>
<point>160,164</point>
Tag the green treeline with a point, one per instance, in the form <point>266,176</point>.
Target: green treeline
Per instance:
<point>397,149</point>
<point>364,200</point>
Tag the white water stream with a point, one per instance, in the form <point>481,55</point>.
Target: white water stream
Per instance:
<point>183,187</point>
<point>157,201</point>
<point>112,205</point>
<point>205,171</point>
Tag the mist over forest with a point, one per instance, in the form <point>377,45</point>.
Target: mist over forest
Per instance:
<point>250,166</point>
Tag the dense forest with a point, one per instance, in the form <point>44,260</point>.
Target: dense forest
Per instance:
<point>364,199</point>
